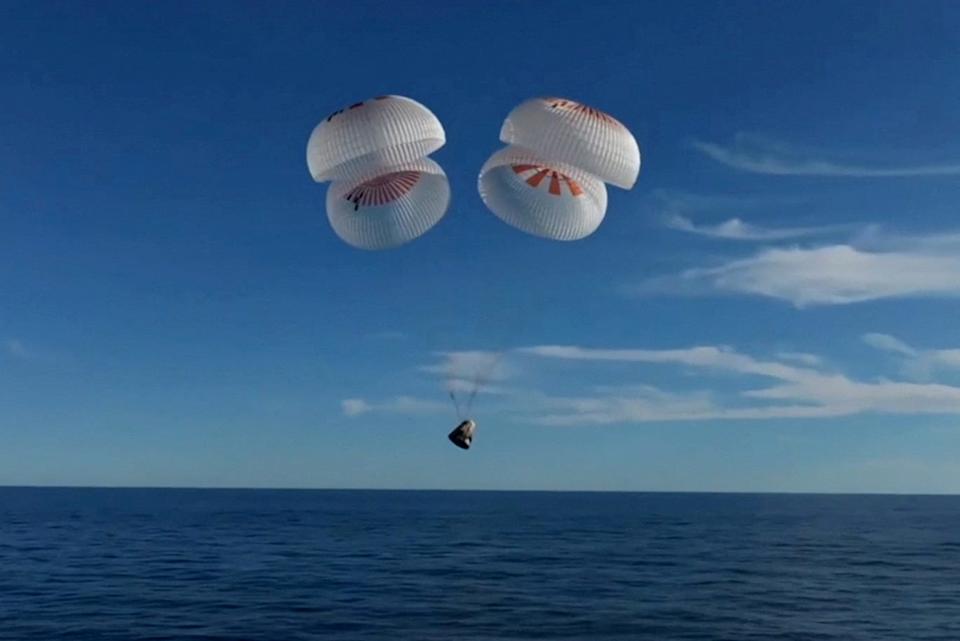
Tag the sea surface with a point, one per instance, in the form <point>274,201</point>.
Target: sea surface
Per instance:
<point>112,564</point>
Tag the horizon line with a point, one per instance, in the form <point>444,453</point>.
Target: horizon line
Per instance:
<point>461,490</point>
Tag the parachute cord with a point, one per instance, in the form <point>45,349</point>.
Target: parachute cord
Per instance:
<point>522,318</point>
<point>456,405</point>
<point>473,393</point>
<point>483,378</point>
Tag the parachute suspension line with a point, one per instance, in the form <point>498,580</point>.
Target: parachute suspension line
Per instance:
<point>482,378</point>
<point>456,405</point>
<point>473,392</point>
<point>520,318</point>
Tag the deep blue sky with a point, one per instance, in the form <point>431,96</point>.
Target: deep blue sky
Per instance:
<point>175,309</point>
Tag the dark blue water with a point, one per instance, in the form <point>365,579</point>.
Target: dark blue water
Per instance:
<point>291,565</point>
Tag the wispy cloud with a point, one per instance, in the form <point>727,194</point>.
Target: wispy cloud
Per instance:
<point>800,357</point>
<point>736,229</point>
<point>637,404</point>
<point>410,405</point>
<point>917,363</point>
<point>828,275</point>
<point>467,386</point>
<point>465,371</point>
<point>355,406</point>
<point>794,392</point>
<point>787,385</point>
<point>888,343</point>
<point>761,156</point>
<point>706,357</point>
<point>678,210</point>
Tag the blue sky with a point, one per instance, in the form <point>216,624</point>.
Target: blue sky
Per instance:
<point>772,307</point>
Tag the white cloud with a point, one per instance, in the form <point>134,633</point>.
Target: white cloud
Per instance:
<point>795,392</point>
<point>873,264</point>
<point>947,358</point>
<point>397,405</point>
<point>790,385</point>
<point>354,406</point>
<point>829,275</point>
<point>888,343</point>
<point>465,373</point>
<point>641,404</point>
<point>462,363</point>
<point>878,239</point>
<point>707,357</point>
<point>736,229</point>
<point>466,370</point>
<point>760,156</point>
<point>461,385</point>
<point>800,357</point>
<point>917,363</point>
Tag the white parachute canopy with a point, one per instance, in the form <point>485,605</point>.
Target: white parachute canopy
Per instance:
<point>390,209</point>
<point>543,198</point>
<point>361,139</point>
<point>549,181</point>
<point>570,132</point>
<point>385,191</point>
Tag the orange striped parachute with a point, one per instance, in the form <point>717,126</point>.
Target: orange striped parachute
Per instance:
<point>385,191</point>
<point>550,179</point>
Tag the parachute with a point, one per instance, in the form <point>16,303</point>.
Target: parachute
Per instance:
<point>385,192</point>
<point>573,133</point>
<point>549,180</point>
<point>391,208</point>
<point>543,198</point>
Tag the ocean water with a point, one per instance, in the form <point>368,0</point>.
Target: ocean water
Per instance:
<point>105,564</point>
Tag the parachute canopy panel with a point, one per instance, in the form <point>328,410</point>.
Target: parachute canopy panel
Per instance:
<point>575,134</point>
<point>361,140</point>
<point>390,209</point>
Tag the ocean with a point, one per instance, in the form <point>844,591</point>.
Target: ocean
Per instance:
<point>125,564</point>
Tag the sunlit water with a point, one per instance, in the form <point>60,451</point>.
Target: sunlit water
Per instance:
<point>299,565</point>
